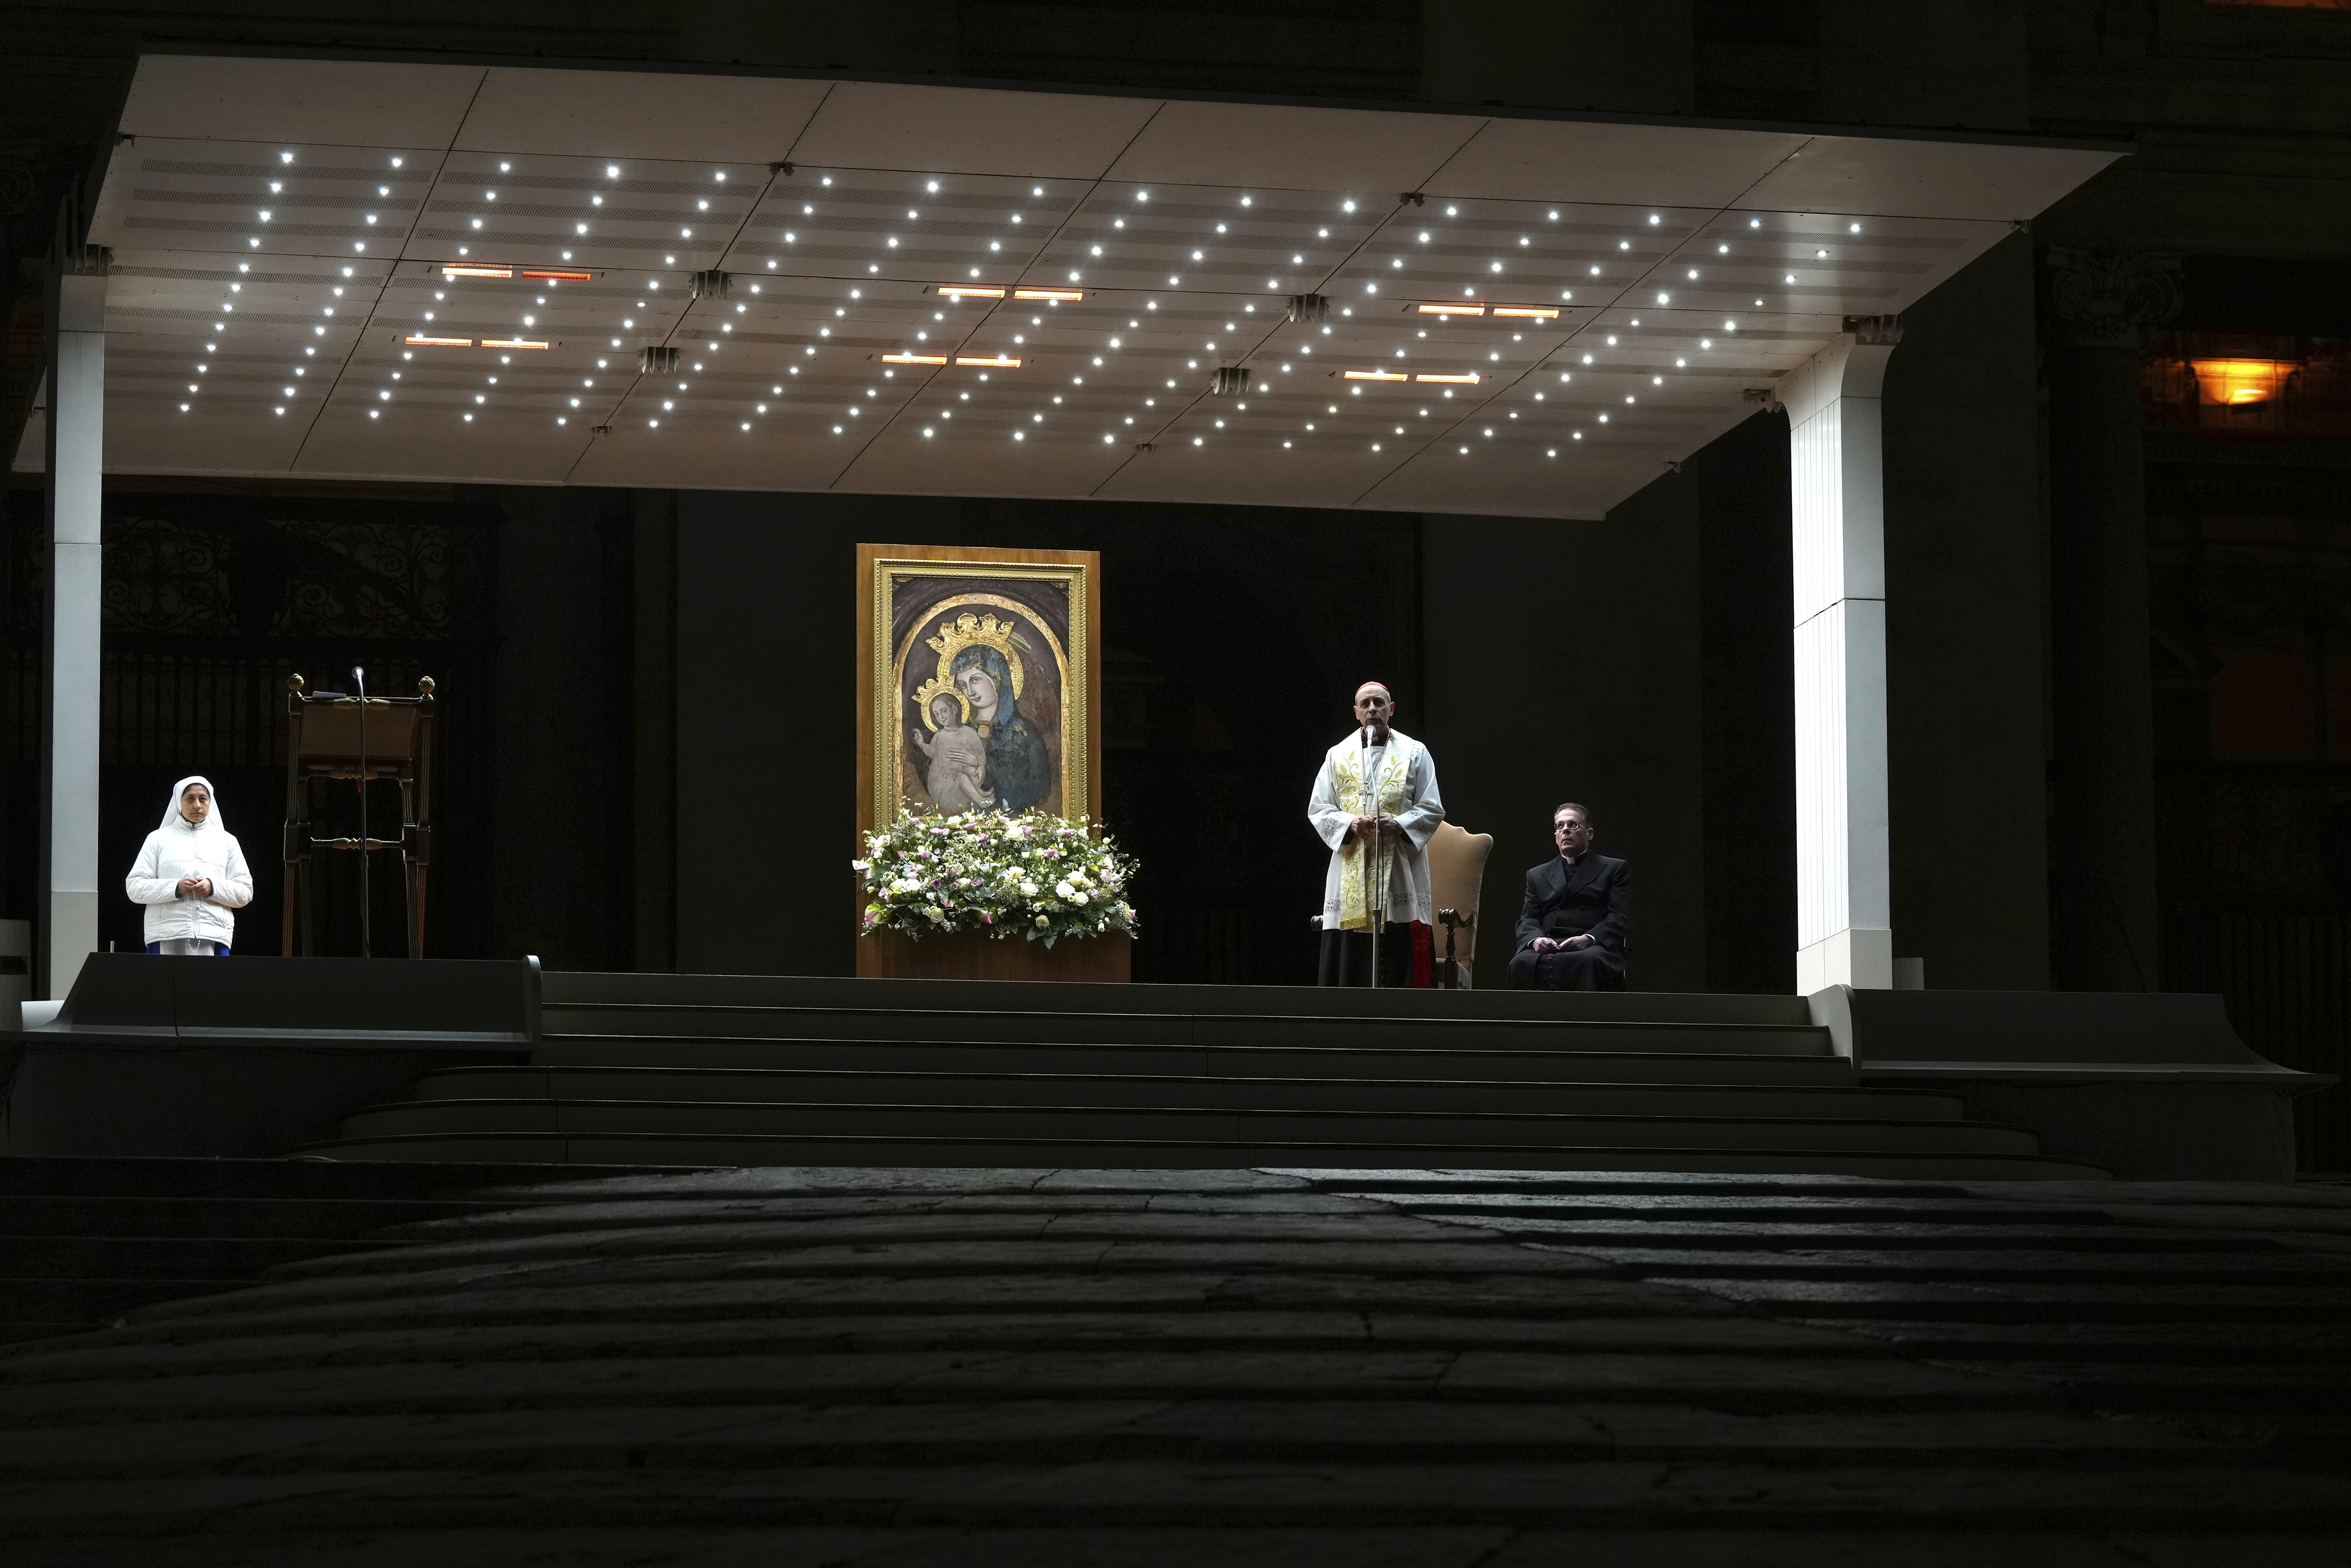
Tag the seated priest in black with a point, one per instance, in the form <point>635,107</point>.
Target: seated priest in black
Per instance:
<point>1577,915</point>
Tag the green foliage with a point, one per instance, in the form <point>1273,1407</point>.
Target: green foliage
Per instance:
<point>1031,875</point>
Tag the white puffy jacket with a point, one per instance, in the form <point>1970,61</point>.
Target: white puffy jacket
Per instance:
<point>180,848</point>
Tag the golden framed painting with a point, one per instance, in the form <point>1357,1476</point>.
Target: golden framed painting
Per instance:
<point>978,679</point>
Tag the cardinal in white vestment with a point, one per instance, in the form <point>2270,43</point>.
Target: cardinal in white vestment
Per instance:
<point>1375,806</point>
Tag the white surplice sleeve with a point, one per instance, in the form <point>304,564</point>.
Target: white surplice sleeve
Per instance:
<point>1330,823</point>
<point>1424,808</point>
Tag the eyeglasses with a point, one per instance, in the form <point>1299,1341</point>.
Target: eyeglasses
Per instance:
<point>1570,827</point>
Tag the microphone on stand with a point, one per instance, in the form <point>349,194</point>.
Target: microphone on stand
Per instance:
<point>359,680</point>
<point>1373,866</point>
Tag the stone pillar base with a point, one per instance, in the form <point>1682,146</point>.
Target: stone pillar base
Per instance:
<point>1860,956</point>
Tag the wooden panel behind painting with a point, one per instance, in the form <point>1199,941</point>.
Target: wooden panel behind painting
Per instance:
<point>940,630</point>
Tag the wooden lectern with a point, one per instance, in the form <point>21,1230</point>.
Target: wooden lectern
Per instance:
<point>330,738</point>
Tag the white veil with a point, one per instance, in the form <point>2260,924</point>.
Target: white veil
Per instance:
<point>211,822</point>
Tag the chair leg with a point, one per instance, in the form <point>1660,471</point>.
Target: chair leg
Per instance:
<point>416,891</point>
<point>415,931</point>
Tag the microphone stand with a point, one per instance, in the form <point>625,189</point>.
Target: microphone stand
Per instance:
<point>1375,863</point>
<point>359,678</point>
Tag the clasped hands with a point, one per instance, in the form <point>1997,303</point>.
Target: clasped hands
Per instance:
<point>195,887</point>
<point>1554,945</point>
<point>1365,829</point>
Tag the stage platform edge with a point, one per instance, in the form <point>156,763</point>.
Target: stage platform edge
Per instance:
<point>248,1057</point>
<point>2152,1085</point>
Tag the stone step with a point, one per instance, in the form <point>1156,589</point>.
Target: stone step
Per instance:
<point>190,1217</point>
<point>623,1361</point>
<point>1145,1091</point>
<point>2322,1345</point>
<point>1465,1132</point>
<point>956,1053</point>
<point>2043,1265</point>
<point>894,1152</point>
<point>1053,1365</point>
<point>669,1308</point>
<point>1668,1237</point>
<point>164,1256</point>
<point>37,1307</point>
<point>1126,1510</point>
<point>1053,1189</point>
<point>1173,1004</point>
<point>1548,1200</point>
<point>1902,1229</point>
<point>1237,1031</point>
<point>771,1432</point>
<point>748,1069</point>
<point>133,1176</point>
<point>1138,1375</point>
<point>2023,1301</point>
<point>85,1240</point>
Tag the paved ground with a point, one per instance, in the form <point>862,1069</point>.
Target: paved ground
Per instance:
<point>1438,1370</point>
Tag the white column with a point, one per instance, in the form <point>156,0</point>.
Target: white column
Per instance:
<point>1844,875</point>
<point>77,450</point>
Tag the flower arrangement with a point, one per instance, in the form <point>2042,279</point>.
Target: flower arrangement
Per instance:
<point>1031,874</point>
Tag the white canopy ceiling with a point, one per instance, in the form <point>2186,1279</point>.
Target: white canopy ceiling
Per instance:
<point>282,230</point>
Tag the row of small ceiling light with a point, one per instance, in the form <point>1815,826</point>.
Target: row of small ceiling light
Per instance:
<point>1052,296</point>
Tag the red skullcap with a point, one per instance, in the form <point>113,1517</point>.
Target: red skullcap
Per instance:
<point>1368,686</point>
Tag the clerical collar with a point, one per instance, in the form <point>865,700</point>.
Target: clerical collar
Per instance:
<point>1573,860</point>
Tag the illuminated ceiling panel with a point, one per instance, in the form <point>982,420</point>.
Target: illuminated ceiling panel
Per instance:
<point>335,281</point>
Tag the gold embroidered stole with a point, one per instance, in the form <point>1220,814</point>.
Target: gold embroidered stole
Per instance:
<point>1356,856</point>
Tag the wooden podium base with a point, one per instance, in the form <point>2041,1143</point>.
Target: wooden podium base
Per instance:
<point>969,956</point>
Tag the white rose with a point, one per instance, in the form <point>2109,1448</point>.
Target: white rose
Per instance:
<point>1064,890</point>
<point>1027,890</point>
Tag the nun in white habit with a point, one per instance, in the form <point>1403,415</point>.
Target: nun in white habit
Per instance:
<point>189,874</point>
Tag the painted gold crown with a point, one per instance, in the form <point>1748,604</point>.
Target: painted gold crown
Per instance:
<point>967,630</point>
<point>938,687</point>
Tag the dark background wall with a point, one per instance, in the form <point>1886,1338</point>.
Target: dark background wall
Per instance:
<point>1563,665</point>
<point>561,797</point>
<point>1964,659</point>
